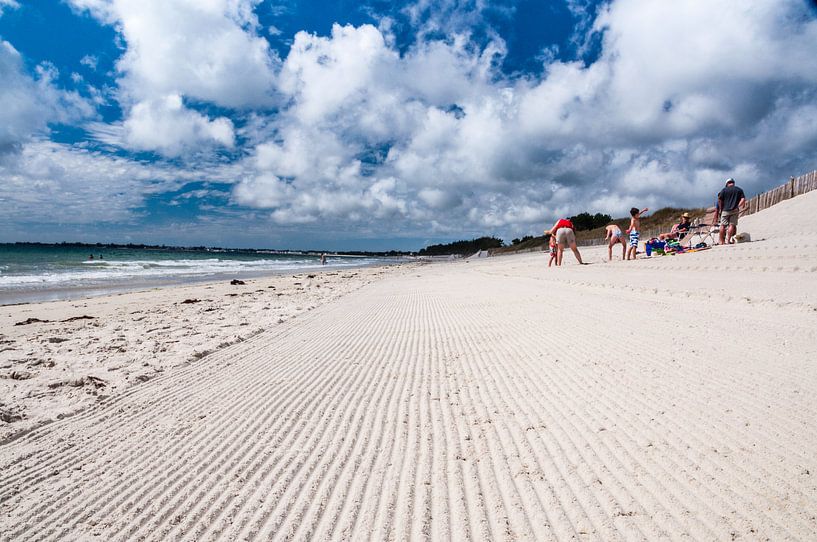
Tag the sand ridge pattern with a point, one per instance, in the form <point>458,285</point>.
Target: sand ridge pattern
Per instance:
<point>490,400</point>
<point>60,358</point>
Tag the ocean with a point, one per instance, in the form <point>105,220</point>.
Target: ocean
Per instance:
<point>50,272</point>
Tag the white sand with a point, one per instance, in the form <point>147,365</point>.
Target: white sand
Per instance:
<point>54,369</point>
<point>673,398</point>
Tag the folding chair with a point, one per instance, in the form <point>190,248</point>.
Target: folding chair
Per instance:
<point>703,230</point>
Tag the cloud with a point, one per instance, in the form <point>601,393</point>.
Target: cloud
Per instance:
<point>690,72</point>
<point>51,183</point>
<point>434,18</point>
<point>351,98</point>
<point>90,61</point>
<point>166,126</point>
<point>676,101</point>
<point>21,113</point>
<point>208,51</point>
<point>8,4</point>
<point>202,51</point>
<point>31,103</point>
<point>71,190</point>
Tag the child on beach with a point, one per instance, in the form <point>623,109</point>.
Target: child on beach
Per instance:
<point>634,231</point>
<point>615,236</point>
<point>554,249</point>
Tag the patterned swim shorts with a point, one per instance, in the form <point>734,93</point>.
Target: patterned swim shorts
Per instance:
<point>634,238</point>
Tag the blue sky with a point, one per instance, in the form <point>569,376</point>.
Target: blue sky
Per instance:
<point>382,125</point>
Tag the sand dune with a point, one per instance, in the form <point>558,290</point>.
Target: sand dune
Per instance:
<point>496,399</point>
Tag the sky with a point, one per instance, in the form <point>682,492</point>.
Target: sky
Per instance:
<point>376,125</point>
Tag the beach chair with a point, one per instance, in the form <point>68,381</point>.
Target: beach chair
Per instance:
<point>704,229</point>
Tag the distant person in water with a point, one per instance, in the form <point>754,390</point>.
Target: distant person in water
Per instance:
<point>634,231</point>
<point>323,258</point>
<point>90,256</point>
<point>731,200</point>
<point>615,236</point>
<point>565,235</point>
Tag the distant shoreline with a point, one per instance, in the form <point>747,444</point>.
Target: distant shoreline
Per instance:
<point>173,248</point>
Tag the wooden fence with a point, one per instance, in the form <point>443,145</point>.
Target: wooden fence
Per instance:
<point>794,187</point>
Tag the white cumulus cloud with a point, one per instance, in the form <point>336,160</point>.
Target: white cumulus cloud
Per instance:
<point>680,96</point>
<point>206,51</point>
<point>166,126</point>
<point>29,103</point>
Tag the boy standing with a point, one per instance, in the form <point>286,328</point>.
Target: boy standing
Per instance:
<point>634,231</point>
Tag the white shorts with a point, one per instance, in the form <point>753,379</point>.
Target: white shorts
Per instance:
<point>565,236</point>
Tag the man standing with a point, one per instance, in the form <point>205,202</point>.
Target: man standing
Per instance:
<point>731,201</point>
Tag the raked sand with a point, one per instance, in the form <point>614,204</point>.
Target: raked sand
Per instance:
<point>59,358</point>
<point>667,398</point>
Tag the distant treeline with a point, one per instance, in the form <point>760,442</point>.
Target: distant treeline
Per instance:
<point>586,221</point>
<point>464,248</point>
<point>141,246</point>
<point>130,246</point>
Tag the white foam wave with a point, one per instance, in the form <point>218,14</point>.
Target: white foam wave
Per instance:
<point>116,271</point>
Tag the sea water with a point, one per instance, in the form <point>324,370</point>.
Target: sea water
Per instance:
<point>32,272</point>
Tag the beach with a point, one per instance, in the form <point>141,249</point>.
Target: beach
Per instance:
<point>493,399</point>
<point>57,358</point>
<point>35,272</point>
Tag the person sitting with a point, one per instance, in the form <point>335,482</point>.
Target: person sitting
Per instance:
<point>678,231</point>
